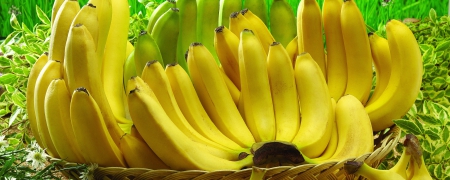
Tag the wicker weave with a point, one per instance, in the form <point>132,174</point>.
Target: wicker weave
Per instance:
<point>384,142</point>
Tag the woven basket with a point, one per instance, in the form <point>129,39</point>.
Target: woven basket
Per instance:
<point>384,143</point>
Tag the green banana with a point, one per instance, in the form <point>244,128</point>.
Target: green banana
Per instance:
<point>226,8</point>
<point>188,29</point>
<point>165,34</point>
<point>282,22</point>
<point>160,10</point>
<point>207,21</point>
<point>146,50</point>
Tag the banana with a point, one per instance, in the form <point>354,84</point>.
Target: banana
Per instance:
<point>418,170</point>
<point>234,91</point>
<point>259,112</point>
<point>91,133</point>
<point>60,29</point>
<point>215,97</point>
<point>191,107</point>
<point>170,143</point>
<point>137,82</point>
<point>336,59</point>
<point>226,8</point>
<point>31,84</point>
<point>226,45</point>
<point>51,70</point>
<point>284,92</point>
<point>129,69</point>
<point>159,10</point>
<point>154,75</point>
<point>353,127</point>
<point>260,9</point>
<point>292,49</point>
<point>309,32</point>
<point>104,13</point>
<point>146,49</point>
<point>333,143</point>
<point>260,28</point>
<point>138,154</point>
<point>282,22</point>
<point>257,173</point>
<point>405,79</point>
<point>81,70</point>
<point>165,33</point>
<point>207,21</point>
<point>361,168</point>
<point>188,29</point>
<point>88,16</point>
<point>238,23</point>
<point>57,114</point>
<point>316,108</point>
<point>56,5</point>
<point>113,59</point>
<point>381,55</point>
<point>357,51</point>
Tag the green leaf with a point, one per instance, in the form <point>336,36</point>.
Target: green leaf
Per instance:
<point>42,16</point>
<point>427,118</point>
<point>432,135</point>
<point>438,154</point>
<point>426,145</point>
<point>8,164</point>
<point>3,112</point>
<point>8,78</point>
<point>443,46</point>
<point>425,47</point>
<point>14,116</point>
<point>4,62</point>
<point>18,50</point>
<point>427,56</point>
<point>412,112</point>
<point>13,141</point>
<point>14,23</point>
<point>438,171</point>
<point>419,96</point>
<point>408,126</point>
<point>11,37</point>
<point>445,134</point>
<point>19,99</point>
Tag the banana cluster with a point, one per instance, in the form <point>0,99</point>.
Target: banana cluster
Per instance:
<point>206,81</point>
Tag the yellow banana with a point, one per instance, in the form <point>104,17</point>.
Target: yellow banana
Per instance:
<point>113,59</point>
<point>418,170</point>
<point>238,23</point>
<point>161,9</point>
<point>81,70</point>
<point>226,8</point>
<point>138,154</point>
<point>259,112</point>
<point>292,49</point>
<point>382,61</point>
<point>284,92</point>
<point>51,70</point>
<point>357,51</point>
<point>91,133</point>
<point>226,44</point>
<point>146,50</point>
<point>165,33</point>
<point>316,108</point>
<point>309,32</point>
<point>179,151</point>
<point>336,59</point>
<point>260,28</point>
<point>207,21</point>
<point>192,109</point>
<point>282,22</point>
<point>215,97</point>
<point>361,168</point>
<point>333,143</point>
<point>234,91</point>
<point>104,14</point>
<point>154,75</point>
<point>188,29</point>
<point>32,78</point>
<point>353,127</point>
<point>56,5</point>
<point>57,114</point>
<point>137,82</point>
<point>88,16</point>
<point>259,8</point>
<point>405,80</point>
<point>60,29</point>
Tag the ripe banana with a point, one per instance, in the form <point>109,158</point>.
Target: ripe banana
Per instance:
<point>405,79</point>
<point>32,78</point>
<point>260,9</point>
<point>146,50</point>
<point>60,29</point>
<point>171,144</point>
<point>234,91</point>
<point>215,97</point>
<point>259,27</point>
<point>188,29</point>
<point>362,169</point>
<point>51,70</point>
<point>104,14</point>
<point>113,59</point>
<point>226,44</point>
<point>154,75</point>
<point>138,154</point>
<point>284,92</point>
<point>353,127</point>
<point>57,114</point>
<point>336,59</point>
<point>191,107</point>
<point>255,88</point>
<point>81,70</point>
<point>418,170</point>
<point>382,61</point>
<point>357,51</point>
<point>316,108</point>
<point>309,32</point>
<point>292,49</point>
<point>207,21</point>
<point>160,10</point>
<point>91,133</point>
<point>88,16</point>
<point>282,22</point>
<point>56,5</point>
<point>165,33</point>
<point>226,8</point>
<point>333,143</point>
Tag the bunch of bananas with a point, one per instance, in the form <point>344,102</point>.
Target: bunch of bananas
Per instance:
<point>201,88</point>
